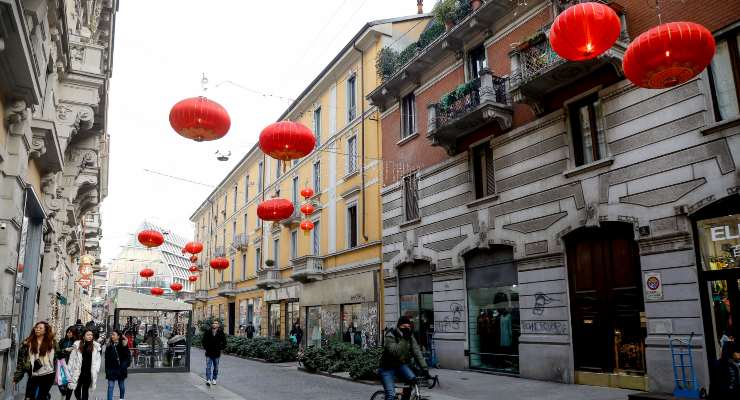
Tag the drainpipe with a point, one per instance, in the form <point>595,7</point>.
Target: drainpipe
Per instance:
<point>362,138</point>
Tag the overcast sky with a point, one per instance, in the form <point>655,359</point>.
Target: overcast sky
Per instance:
<point>161,49</point>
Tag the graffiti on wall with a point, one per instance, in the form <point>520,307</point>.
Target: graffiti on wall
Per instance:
<point>540,301</point>
<point>329,321</point>
<point>545,327</point>
<point>452,322</point>
<point>369,324</point>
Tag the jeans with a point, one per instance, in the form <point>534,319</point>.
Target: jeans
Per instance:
<point>211,368</point>
<point>121,388</point>
<point>38,387</point>
<point>387,376</point>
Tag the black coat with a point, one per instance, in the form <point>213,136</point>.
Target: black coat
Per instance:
<point>725,381</point>
<point>214,344</point>
<point>117,360</point>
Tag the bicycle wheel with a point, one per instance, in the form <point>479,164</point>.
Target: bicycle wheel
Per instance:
<point>379,395</point>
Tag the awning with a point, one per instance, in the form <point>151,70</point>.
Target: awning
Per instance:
<point>125,299</point>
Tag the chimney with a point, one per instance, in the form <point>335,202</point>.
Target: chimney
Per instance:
<point>420,6</point>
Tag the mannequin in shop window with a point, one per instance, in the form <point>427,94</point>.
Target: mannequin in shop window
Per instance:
<point>495,330</point>
<point>353,335</point>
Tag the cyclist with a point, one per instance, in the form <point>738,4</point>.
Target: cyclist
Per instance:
<point>399,350</point>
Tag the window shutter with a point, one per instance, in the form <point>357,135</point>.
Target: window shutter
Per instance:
<point>490,178</point>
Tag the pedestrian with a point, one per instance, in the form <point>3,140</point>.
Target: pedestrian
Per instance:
<point>84,365</point>
<point>36,358</point>
<point>117,360</point>
<point>726,374</point>
<point>214,340</point>
<point>79,327</point>
<point>297,333</point>
<point>250,330</point>
<point>400,349</point>
<point>64,350</point>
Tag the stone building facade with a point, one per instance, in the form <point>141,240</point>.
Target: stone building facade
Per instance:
<point>55,66</point>
<point>561,223</point>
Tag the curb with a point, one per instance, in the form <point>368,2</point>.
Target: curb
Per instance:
<point>336,376</point>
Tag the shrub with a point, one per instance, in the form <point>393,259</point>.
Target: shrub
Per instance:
<point>445,10</point>
<point>365,366</point>
<point>336,356</point>
<point>205,324</point>
<point>386,62</point>
<point>197,340</point>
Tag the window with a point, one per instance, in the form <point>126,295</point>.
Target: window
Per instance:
<point>244,266</point>
<point>313,326</point>
<point>724,74</point>
<point>293,244</point>
<point>351,324</point>
<point>236,195</point>
<point>233,231</point>
<point>295,190</point>
<point>246,190</point>
<point>276,252</point>
<point>483,179</point>
<point>246,221</point>
<point>352,226</point>
<point>260,173</point>
<point>410,197</point>
<point>316,239</point>
<point>352,154</point>
<point>278,169</point>
<point>233,268</point>
<point>291,315</point>
<point>226,202</point>
<point>351,98</point>
<point>317,176</point>
<point>274,321</point>
<point>587,128</point>
<point>408,115</point>
<point>257,259</point>
<point>476,62</point>
<point>317,125</point>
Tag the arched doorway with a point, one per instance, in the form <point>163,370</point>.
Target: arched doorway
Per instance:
<point>493,309</point>
<point>606,304</point>
<point>415,290</point>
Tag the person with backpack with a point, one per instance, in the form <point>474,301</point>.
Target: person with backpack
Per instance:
<point>213,342</point>
<point>36,358</point>
<point>117,361</point>
<point>400,350</point>
<point>84,365</point>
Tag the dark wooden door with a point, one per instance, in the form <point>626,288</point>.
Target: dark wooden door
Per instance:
<point>232,318</point>
<point>606,299</point>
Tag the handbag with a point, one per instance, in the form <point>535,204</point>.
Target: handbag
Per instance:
<point>62,377</point>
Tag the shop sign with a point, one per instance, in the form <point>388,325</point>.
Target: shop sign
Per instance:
<point>653,286</point>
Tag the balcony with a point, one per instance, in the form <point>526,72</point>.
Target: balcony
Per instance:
<point>219,251</point>
<point>294,219</point>
<point>188,297</point>
<point>538,71</point>
<point>308,269</point>
<point>201,295</point>
<point>240,242</point>
<point>227,289</point>
<point>467,109</point>
<point>268,278</point>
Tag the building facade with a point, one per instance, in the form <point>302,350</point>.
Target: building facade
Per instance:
<point>561,223</point>
<point>55,63</point>
<point>167,261</point>
<point>327,280</point>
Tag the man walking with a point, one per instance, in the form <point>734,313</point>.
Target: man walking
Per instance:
<point>214,340</point>
<point>250,330</point>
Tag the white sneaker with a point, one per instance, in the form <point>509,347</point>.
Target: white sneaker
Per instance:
<point>208,383</point>
<point>213,382</point>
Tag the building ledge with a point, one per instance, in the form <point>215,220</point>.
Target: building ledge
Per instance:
<point>483,200</point>
<point>407,139</point>
<point>589,167</point>
<point>721,125</point>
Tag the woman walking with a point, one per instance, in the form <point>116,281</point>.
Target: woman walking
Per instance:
<point>64,350</point>
<point>36,358</point>
<point>117,360</point>
<point>84,365</point>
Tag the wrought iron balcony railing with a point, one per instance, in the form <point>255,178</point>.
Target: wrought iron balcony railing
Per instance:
<point>240,242</point>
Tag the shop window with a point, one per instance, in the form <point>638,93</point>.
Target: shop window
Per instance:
<point>351,328</point>
<point>411,197</point>
<point>313,326</point>
<point>417,300</point>
<point>493,310</point>
<point>273,327</point>
<point>292,315</point>
<point>587,130</point>
<point>242,315</point>
<point>408,115</point>
<point>724,75</point>
<point>484,180</point>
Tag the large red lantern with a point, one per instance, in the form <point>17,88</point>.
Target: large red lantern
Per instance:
<point>192,278</point>
<point>287,140</point>
<point>307,225</point>
<point>584,31</point>
<point>307,209</point>
<point>668,55</point>
<point>307,192</point>
<point>200,119</point>
<point>156,291</point>
<point>146,273</point>
<point>275,209</point>
<point>150,238</point>
<point>193,268</point>
<point>176,287</point>
<point>219,263</point>
<point>193,247</point>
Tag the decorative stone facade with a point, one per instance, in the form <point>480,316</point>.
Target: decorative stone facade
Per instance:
<point>55,66</point>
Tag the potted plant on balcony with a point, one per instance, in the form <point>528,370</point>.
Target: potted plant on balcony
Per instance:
<point>444,12</point>
<point>269,263</point>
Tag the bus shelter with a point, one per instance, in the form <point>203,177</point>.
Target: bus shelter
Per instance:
<point>158,331</point>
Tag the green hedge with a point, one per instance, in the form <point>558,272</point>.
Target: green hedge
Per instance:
<point>336,356</point>
<point>268,349</point>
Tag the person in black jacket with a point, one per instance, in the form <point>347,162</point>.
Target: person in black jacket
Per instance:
<point>117,360</point>
<point>726,374</point>
<point>214,340</point>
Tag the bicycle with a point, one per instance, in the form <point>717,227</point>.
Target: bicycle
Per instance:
<point>414,386</point>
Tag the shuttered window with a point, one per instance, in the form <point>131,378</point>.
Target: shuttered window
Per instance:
<point>411,198</point>
<point>483,176</point>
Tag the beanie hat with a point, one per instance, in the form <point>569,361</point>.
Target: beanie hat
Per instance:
<point>403,320</point>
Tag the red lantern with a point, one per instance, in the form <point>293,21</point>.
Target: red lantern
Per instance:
<point>156,291</point>
<point>192,278</point>
<point>150,238</point>
<point>307,225</point>
<point>193,248</point>
<point>668,55</point>
<point>193,258</point>
<point>176,287</point>
<point>193,269</point>
<point>307,209</point>
<point>287,140</point>
<point>584,31</point>
<point>307,193</point>
<point>200,119</point>
<point>275,210</point>
<point>146,273</point>
<point>85,282</point>
<point>219,263</point>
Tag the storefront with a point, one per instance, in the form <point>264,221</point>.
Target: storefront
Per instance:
<point>280,305</point>
<point>416,299</point>
<point>250,310</point>
<point>717,230</point>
